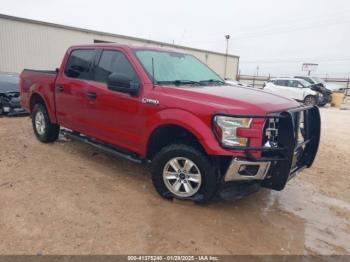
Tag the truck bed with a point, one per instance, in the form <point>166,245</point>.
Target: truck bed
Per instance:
<point>51,72</point>
<point>41,82</point>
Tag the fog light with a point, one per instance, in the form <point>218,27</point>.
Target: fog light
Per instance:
<point>6,109</point>
<point>248,170</point>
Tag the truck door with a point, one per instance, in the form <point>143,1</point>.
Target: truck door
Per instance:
<point>70,89</point>
<point>114,117</point>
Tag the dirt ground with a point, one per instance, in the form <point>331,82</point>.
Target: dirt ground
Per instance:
<point>69,198</point>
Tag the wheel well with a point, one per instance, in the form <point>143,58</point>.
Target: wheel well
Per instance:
<point>36,99</point>
<point>309,96</point>
<point>169,134</point>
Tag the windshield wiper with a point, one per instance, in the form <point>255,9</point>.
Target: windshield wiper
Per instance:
<point>212,81</point>
<point>179,82</point>
<point>191,82</point>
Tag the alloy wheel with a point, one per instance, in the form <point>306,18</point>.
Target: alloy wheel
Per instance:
<point>182,177</point>
<point>40,124</point>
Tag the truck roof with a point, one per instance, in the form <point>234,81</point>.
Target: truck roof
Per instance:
<point>126,46</point>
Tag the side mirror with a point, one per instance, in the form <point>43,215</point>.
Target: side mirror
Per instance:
<point>123,84</point>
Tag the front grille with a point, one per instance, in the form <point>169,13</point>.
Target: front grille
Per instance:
<point>8,97</point>
<point>298,134</point>
<point>271,132</point>
<point>299,126</point>
<point>276,127</point>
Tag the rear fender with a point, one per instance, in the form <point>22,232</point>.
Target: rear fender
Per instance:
<point>50,107</point>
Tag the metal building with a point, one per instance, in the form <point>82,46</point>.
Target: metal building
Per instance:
<point>26,43</point>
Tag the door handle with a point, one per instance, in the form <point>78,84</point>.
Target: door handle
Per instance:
<point>60,89</point>
<point>92,95</point>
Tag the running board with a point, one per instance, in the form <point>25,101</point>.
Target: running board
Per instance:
<point>102,146</point>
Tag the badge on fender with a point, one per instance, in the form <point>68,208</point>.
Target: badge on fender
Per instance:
<point>150,101</point>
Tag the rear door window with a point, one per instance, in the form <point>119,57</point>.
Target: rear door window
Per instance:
<point>293,83</point>
<point>280,82</point>
<point>113,62</point>
<point>79,64</point>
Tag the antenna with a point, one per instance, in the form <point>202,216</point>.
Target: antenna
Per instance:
<point>153,72</point>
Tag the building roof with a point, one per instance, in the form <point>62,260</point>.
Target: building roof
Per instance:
<point>26,20</point>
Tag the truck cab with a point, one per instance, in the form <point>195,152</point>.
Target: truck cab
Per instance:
<point>168,109</point>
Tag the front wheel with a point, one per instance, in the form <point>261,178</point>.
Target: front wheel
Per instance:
<point>1,108</point>
<point>310,101</point>
<point>184,172</point>
<point>44,130</point>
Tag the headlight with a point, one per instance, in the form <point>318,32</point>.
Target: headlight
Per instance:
<point>226,129</point>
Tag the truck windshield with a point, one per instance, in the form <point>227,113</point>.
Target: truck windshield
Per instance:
<point>176,68</point>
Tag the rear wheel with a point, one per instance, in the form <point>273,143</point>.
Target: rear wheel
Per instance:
<point>44,130</point>
<point>184,172</point>
<point>310,101</point>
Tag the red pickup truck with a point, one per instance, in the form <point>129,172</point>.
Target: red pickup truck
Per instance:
<point>151,105</point>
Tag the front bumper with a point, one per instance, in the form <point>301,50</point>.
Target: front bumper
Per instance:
<point>10,109</point>
<point>277,165</point>
<point>242,170</point>
<point>326,98</point>
<point>10,105</point>
<point>18,111</point>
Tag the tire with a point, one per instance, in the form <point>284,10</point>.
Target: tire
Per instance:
<point>44,130</point>
<point>201,176</point>
<point>310,101</point>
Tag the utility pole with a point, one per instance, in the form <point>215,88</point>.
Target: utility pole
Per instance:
<point>227,39</point>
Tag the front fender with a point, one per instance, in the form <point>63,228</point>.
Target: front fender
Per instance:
<point>310,93</point>
<point>201,129</point>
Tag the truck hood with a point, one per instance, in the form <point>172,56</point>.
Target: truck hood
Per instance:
<point>6,87</point>
<point>233,99</point>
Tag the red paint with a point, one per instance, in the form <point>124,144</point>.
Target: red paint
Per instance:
<point>125,121</point>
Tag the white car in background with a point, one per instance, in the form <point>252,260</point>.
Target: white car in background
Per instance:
<point>297,89</point>
<point>316,80</point>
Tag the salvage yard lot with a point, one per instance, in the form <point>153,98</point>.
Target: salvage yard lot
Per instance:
<point>69,198</point>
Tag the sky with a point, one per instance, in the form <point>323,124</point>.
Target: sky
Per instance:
<point>270,36</point>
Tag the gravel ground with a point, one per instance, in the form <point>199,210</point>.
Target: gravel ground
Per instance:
<point>69,198</point>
